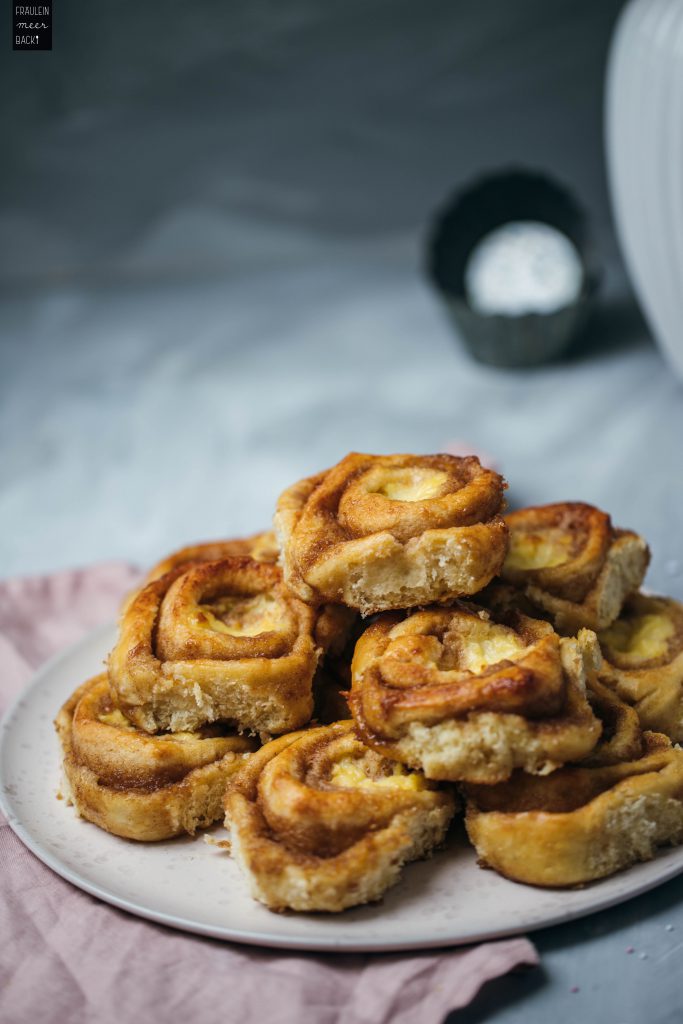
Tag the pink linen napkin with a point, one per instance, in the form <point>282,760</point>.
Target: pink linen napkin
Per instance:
<point>66,956</point>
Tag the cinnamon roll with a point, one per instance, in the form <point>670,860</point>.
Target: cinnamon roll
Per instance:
<point>570,562</point>
<point>216,641</point>
<point>585,821</point>
<point>139,786</point>
<point>643,661</point>
<point>319,822</point>
<point>377,532</point>
<point>334,622</point>
<point>464,695</point>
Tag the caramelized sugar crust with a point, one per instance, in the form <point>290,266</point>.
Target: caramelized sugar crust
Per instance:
<point>570,561</point>
<point>220,640</point>
<point>643,661</point>
<point>377,532</point>
<point>140,786</point>
<point>466,695</point>
<point>586,820</point>
<point>319,822</point>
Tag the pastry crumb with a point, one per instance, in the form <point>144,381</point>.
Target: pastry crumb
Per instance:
<point>223,844</point>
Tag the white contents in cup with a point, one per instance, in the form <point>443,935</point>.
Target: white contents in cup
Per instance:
<point>522,267</point>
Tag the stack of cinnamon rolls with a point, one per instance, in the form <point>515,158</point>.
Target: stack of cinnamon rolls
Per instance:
<point>396,651</point>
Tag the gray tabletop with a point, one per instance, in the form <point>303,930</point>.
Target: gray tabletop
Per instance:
<point>212,286</point>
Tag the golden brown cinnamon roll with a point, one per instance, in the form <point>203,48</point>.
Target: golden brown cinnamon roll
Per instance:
<point>573,564</point>
<point>319,822</point>
<point>465,695</point>
<point>334,622</point>
<point>643,661</point>
<point>392,531</point>
<point>585,821</point>
<point>139,786</point>
<point>216,641</point>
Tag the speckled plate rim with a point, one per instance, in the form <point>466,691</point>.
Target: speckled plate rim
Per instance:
<point>565,905</point>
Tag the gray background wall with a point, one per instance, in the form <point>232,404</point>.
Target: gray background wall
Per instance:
<point>212,232</point>
<point>241,123</point>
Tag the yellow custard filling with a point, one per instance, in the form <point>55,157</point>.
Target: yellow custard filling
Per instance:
<point>115,718</point>
<point>475,643</point>
<point>500,645</point>
<point>349,773</point>
<point>645,637</point>
<point>412,484</point>
<point>538,550</point>
<point>244,616</point>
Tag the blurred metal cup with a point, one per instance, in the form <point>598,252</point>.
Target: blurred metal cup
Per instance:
<point>472,213</point>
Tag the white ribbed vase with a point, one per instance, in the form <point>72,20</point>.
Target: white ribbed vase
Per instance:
<point>644,140</point>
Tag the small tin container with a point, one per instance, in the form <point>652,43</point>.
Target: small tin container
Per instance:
<point>514,196</point>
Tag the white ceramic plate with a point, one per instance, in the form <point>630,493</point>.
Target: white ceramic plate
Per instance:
<point>189,884</point>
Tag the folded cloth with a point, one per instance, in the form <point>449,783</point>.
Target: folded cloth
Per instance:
<point>65,956</point>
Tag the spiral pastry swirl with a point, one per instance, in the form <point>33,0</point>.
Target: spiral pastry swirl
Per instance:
<point>643,661</point>
<point>621,738</point>
<point>139,786</point>
<point>585,821</point>
<point>319,822</point>
<point>572,564</point>
<point>334,623</point>
<point>466,696</point>
<point>216,641</point>
<point>378,532</point>
<point>262,547</point>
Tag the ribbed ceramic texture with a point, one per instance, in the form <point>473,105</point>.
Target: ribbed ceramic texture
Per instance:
<point>644,140</point>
